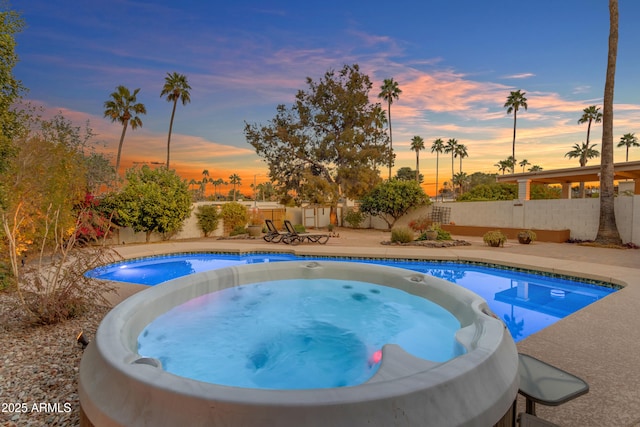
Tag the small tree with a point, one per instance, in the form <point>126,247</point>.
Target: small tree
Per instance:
<point>391,200</point>
<point>153,200</point>
<point>208,218</point>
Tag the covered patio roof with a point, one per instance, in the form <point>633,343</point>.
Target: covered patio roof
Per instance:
<point>567,176</point>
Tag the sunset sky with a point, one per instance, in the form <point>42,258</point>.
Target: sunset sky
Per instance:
<point>455,61</point>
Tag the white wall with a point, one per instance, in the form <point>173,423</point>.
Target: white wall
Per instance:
<point>581,216</point>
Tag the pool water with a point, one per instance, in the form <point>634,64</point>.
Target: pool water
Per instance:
<point>297,334</point>
<point>526,302</point>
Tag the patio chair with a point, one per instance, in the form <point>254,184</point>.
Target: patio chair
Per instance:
<point>273,235</point>
<point>295,238</point>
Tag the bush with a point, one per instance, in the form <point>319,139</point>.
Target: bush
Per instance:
<point>354,217</point>
<point>238,230</point>
<point>52,287</point>
<point>208,219</point>
<point>420,224</point>
<point>494,238</point>
<point>234,215</point>
<point>401,235</point>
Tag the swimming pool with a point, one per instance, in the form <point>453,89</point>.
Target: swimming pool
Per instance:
<point>527,302</point>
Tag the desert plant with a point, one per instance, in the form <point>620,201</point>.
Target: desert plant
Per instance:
<point>53,287</point>
<point>208,218</point>
<point>494,238</point>
<point>234,215</point>
<point>354,217</point>
<point>526,236</point>
<point>401,235</point>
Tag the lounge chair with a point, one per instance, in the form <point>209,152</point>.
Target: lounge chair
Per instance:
<point>273,235</point>
<point>294,238</point>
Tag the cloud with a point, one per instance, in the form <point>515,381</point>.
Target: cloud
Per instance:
<point>519,76</point>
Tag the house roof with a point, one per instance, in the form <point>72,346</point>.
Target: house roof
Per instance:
<point>625,170</point>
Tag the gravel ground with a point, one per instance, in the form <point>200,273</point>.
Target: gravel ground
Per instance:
<point>39,368</point>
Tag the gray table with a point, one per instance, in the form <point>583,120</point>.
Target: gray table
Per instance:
<point>545,384</point>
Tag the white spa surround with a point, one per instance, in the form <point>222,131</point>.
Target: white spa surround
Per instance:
<point>118,387</point>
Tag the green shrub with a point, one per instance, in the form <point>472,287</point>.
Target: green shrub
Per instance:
<point>354,217</point>
<point>401,235</point>
<point>234,215</point>
<point>443,234</point>
<point>494,238</point>
<point>208,219</point>
<point>299,228</point>
<point>237,230</point>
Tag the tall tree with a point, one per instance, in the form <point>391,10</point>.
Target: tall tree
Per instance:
<point>450,147</point>
<point>589,115</point>
<point>390,91</point>
<point>331,138</point>
<point>437,147</point>
<point>628,140</point>
<point>11,89</point>
<point>205,180</point>
<point>524,163</point>
<point>417,144</point>
<point>607,228</point>
<point>123,107</point>
<point>515,101</point>
<point>176,88</point>
<point>461,153</point>
<point>535,168</point>
<point>235,180</point>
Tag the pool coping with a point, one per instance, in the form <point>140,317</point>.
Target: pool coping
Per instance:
<point>598,343</point>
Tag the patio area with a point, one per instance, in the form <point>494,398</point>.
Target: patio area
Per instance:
<point>600,343</point>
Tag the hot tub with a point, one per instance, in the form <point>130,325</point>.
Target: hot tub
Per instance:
<point>119,387</point>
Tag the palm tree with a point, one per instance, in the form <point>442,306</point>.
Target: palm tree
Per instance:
<point>451,148</point>
<point>390,92</point>
<point>216,183</point>
<point>502,166</point>
<point>235,180</point>
<point>583,152</point>
<point>417,144</point>
<point>460,179</point>
<point>124,108</point>
<point>437,147</point>
<point>515,100</point>
<point>607,228</point>
<point>628,140</point>
<point>177,89</point>
<point>205,179</point>
<point>461,152</point>
<point>535,168</point>
<point>589,115</point>
<point>524,163</point>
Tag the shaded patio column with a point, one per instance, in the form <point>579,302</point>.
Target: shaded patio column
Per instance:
<point>524,187</point>
<point>566,190</point>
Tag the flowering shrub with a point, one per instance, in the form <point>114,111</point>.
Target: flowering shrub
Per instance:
<point>421,224</point>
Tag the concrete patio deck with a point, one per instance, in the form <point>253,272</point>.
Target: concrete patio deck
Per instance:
<point>600,343</point>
